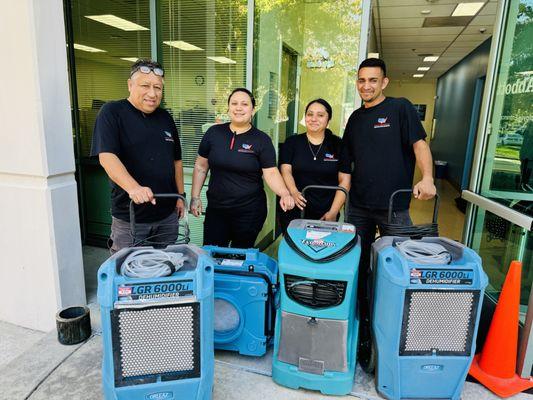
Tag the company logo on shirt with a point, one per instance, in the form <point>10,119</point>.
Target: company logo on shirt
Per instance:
<point>168,136</point>
<point>382,123</point>
<point>330,157</point>
<point>246,148</point>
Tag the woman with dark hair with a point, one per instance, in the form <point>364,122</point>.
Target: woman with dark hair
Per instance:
<point>239,157</point>
<point>314,158</point>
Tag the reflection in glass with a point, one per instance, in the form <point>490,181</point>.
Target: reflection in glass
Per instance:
<point>203,49</point>
<point>526,158</point>
<point>313,47</point>
<point>121,35</point>
<point>101,75</point>
<point>508,162</point>
<point>509,158</point>
<point>303,50</point>
<point>498,242</point>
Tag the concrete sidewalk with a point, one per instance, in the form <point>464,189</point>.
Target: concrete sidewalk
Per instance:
<point>37,367</point>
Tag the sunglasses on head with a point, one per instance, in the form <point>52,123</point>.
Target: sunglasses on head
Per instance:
<point>146,69</point>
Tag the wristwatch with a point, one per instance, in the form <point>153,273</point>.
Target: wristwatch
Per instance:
<point>184,195</point>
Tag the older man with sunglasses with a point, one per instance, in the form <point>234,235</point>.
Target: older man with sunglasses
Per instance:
<point>138,146</point>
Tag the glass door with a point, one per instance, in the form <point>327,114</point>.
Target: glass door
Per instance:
<point>501,191</point>
<point>503,194</point>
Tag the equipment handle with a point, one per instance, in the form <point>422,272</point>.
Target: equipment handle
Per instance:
<point>324,187</point>
<point>391,202</point>
<point>157,196</point>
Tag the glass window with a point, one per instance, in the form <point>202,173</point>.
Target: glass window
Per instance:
<point>107,37</point>
<point>507,176</point>
<point>499,242</point>
<point>202,47</point>
<point>101,46</point>
<point>303,50</point>
<point>508,161</point>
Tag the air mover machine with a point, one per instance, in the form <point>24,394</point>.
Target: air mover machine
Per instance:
<point>317,325</point>
<point>157,323</point>
<point>427,300</point>
<point>246,282</point>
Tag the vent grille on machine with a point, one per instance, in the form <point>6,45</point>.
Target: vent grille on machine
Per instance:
<point>315,293</point>
<point>160,341</point>
<point>438,322</point>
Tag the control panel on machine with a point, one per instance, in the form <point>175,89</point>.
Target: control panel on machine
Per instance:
<point>322,226</point>
<point>327,226</point>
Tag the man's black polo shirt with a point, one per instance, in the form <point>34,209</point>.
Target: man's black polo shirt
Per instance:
<point>379,141</point>
<point>300,153</point>
<point>147,145</point>
<point>236,163</point>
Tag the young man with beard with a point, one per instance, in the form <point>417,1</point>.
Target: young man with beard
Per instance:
<point>383,140</point>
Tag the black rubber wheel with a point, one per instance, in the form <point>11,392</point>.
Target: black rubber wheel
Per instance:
<point>367,350</point>
<point>369,362</point>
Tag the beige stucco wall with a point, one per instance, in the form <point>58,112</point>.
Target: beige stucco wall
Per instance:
<point>416,93</point>
<point>41,265</point>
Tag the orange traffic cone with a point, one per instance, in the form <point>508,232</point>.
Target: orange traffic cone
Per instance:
<point>495,366</point>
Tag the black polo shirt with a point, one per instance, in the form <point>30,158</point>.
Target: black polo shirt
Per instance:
<point>236,163</point>
<point>379,141</point>
<point>300,153</point>
<point>147,145</point>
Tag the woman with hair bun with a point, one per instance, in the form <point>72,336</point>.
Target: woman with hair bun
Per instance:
<point>239,156</point>
<point>314,158</point>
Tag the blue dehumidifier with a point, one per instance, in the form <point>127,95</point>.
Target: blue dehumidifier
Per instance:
<point>158,332</point>
<point>246,283</point>
<point>315,341</point>
<point>427,302</point>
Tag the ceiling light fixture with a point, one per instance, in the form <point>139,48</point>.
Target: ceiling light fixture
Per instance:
<point>425,12</point>
<point>180,44</point>
<point>431,58</point>
<point>422,69</point>
<point>117,22</point>
<point>418,75</point>
<point>88,49</point>
<point>467,9</point>
<point>373,55</point>
<point>131,59</point>
<point>222,60</point>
